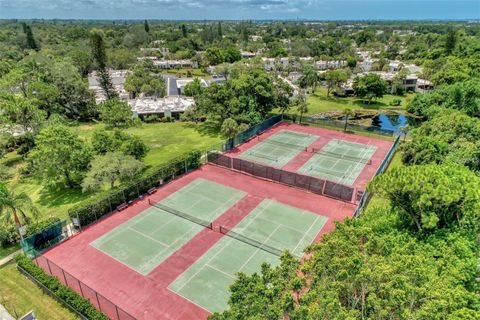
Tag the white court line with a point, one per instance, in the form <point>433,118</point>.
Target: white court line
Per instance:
<point>258,249</point>
<point>218,270</point>
<point>305,233</point>
<point>229,240</point>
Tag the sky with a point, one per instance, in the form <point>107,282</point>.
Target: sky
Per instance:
<point>241,9</point>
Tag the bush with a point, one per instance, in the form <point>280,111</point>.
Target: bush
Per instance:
<point>396,102</point>
<point>40,225</point>
<point>152,118</point>
<point>83,306</point>
<point>8,235</point>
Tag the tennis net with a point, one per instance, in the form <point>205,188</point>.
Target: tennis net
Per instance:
<point>280,143</point>
<point>180,214</point>
<point>341,156</point>
<point>250,241</point>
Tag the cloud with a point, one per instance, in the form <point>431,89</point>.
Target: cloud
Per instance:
<point>241,9</point>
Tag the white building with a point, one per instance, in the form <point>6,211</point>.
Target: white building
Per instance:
<point>118,80</point>
<point>175,64</point>
<point>330,65</point>
<point>171,106</point>
<point>182,82</point>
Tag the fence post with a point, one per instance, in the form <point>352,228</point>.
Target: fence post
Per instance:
<point>80,286</point>
<point>49,269</point>
<point>64,277</point>
<point>98,301</point>
<point>118,315</point>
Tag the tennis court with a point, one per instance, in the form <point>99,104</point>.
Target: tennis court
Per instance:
<point>339,161</point>
<point>146,240</point>
<point>279,148</point>
<point>260,237</point>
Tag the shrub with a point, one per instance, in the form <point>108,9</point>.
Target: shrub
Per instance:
<point>396,102</point>
<point>40,225</point>
<point>8,235</point>
<point>83,306</point>
<point>152,118</point>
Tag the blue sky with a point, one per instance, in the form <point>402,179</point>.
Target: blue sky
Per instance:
<point>241,9</point>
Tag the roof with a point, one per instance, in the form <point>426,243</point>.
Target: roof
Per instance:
<point>152,105</point>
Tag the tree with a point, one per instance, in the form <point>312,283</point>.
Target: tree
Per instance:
<point>17,206</point>
<point>60,156</point>
<point>369,86</point>
<point>219,29</point>
<point>229,128</point>
<point>347,113</point>
<point>100,57</point>
<point>23,112</point>
<point>334,78</point>
<point>116,113</point>
<point>110,168</point>
<point>104,141</point>
<point>430,197</point>
<point>300,102</point>
<point>309,78</point>
<point>146,26</point>
<point>194,88</point>
<point>184,30</point>
<point>144,79</point>
<point>450,41</point>
<point>31,43</point>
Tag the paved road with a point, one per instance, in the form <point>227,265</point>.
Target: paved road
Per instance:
<point>4,315</point>
<point>171,81</point>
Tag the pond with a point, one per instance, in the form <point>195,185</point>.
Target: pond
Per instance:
<point>391,121</point>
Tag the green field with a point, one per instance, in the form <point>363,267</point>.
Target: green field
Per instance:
<point>19,295</point>
<point>319,102</point>
<point>166,141</point>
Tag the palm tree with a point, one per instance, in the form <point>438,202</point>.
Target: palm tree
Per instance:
<point>309,78</point>
<point>347,113</point>
<point>17,206</point>
<point>300,102</point>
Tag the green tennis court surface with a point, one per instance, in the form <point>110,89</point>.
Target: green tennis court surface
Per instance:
<point>278,149</point>
<point>206,283</point>
<point>144,241</point>
<point>339,161</point>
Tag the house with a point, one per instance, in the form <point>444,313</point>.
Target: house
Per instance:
<point>248,55</point>
<point>423,86</point>
<point>330,65</point>
<point>172,106</point>
<point>175,64</point>
<point>182,82</point>
<point>118,80</point>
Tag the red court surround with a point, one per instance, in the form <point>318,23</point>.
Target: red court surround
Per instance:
<point>147,297</point>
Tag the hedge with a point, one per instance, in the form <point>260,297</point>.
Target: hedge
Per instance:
<point>40,225</point>
<point>73,299</point>
<point>91,210</point>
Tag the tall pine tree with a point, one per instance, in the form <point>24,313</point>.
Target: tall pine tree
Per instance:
<point>146,26</point>
<point>100,57</point>
<point>31,43</point>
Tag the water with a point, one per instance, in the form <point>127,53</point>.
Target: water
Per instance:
<point>391,122</point>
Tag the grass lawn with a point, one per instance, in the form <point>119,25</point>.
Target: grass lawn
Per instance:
<point>19,295</point>
<point>319,102</point>
<point>6,251</point>
<point>165,140</point>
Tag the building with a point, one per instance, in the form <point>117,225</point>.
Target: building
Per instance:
<point>171,106</point>
<point>248,55</point>
<point>182,82</point>
<point>118,80</point>
<point>175,64</point>
<point>330,65</point>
